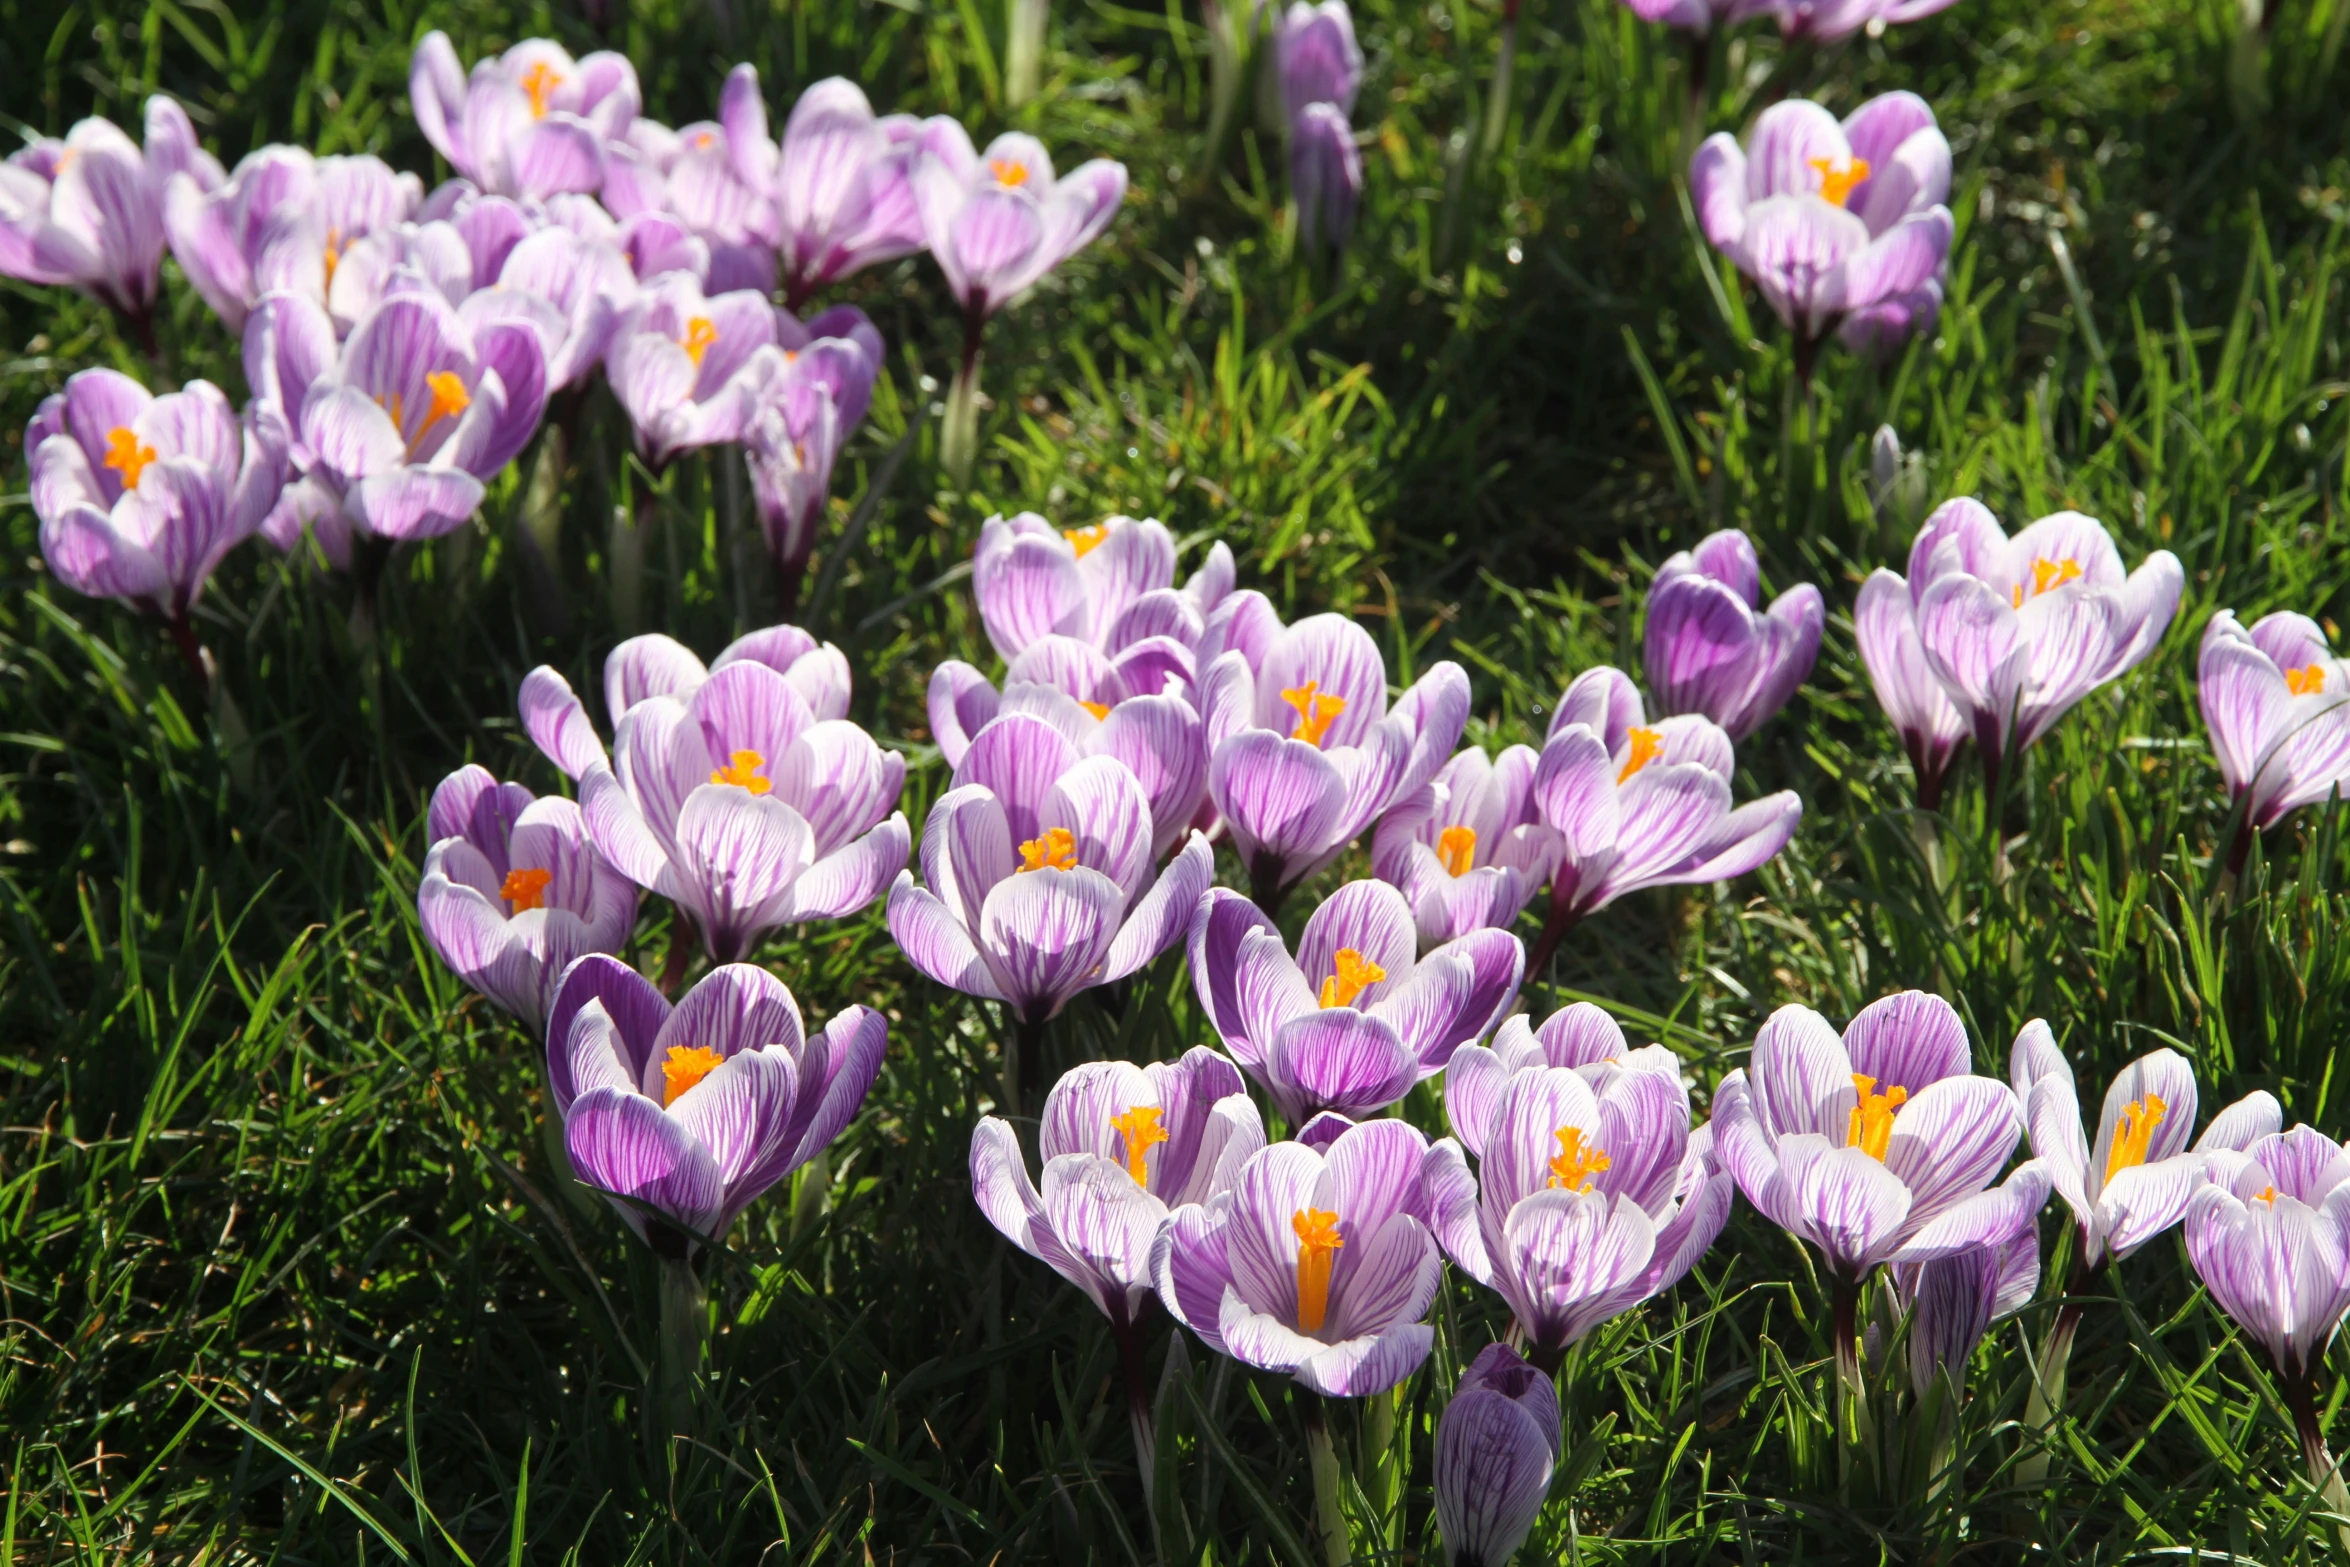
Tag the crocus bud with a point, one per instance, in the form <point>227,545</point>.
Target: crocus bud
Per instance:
<point>1326,177</point>
<point>1884,461</point>
<point>1495,1449</point>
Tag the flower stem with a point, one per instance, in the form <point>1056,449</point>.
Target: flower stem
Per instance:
<point>958,447</point>
<point>681,950</point>
<point>1561,919</point>
<point>1329,1521</point>
<point>183,637</point>
<point>1851,1392</point>
<point>1138,1400</point>
<point>1264,885</point>
<point>2047,1399</point>
<point>685,1321</point>
<point>2300,1391</point>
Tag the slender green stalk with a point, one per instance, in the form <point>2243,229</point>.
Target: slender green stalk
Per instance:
<point>1329,1517</point>
<point>685,1323</point>
<point>624,560</point>
<point>958,446</point>
<point>1497,106</point>
<point>2047,1401</point>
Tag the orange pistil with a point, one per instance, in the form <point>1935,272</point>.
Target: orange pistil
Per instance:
<point>1576,1164</point>
<point>334,258</point>
<point>525,890</point>
<point>1839,177</point>
<point>1354,975</point>
<point>2302,682</point>
<point>2133,1133</point>
<point>1456,847</point>
<point>449,398</point>
<point>1318,1243</point>
<point>1097,709</point>
<point>1055,851</point>
<point>1643,746</point>
<point>743,771</point>
<point>1140,1128</point>
<point>2047,576</point>
<point>685,1066</point>
<point>1316,711</point>
<point>539,83</point>
<point>126,456</point>
<point>1872,1119</point>
<point>2267,1194</point>
<point>1082,540</point>
<point>1007,173</point>
<point>699,335</point>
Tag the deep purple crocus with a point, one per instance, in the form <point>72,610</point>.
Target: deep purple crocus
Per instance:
<point>2277,703</point>
<point>1467,848</point>
<point>1496,1447</point>
<point>1319,61</point>
<point>1355,1019</point>
<point>531,122</point>
<point>283,221</point>
<point>1707,649</point>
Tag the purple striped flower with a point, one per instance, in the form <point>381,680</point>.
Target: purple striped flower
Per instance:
<point>531,122</point>
<point>1354,1020</point>
<point>1318,58</point>
<point>1709,652</point>
<point>1586,1200</point>
<point>1496,1447</point>
<point>998,222</point>
<point>1826,21</point>
<point>1159,739</point>
<point>570,290</point>
<point>2277,703</point>
<point>1318,1263</point>
<point>1039,877</point>
<point>1325,177</point>
<point>816,401</point>
<point>2269,1234</point>
<point>694,369</point>
<point>282,222</point>
<point>1110,586</point>
<point>1303,752</point>
<point>140,497</point>
<point>1884,623</point>
<point>513,891</point>
<point>1467,848</point>
<point>1831,220</point>
<point>1122,1146</point>
<point>1698,17</point>
<point>1954,1300</point>
<point>689,174</point>
<point>682,1116</point>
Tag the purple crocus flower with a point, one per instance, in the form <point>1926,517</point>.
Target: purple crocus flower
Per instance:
<point>1586,1201</point>
<point>1884,623</point>
<point>1122,1145</point>
<point>87,212</point>
<point>1707,649</point>
<point>569,290</point>
<point>692,175</point>
<point>1319,60</point>
<point>513,891</point>
<point>1325,177</point>
<point>1954,1300</point>
<point>817,399</point>
<point>140,497</point>
<point>1110,586</point>
<point>532,122</point>
<point>999,221</point>
<point>1159,739</point>
<point>283,221</point>
<point>693,370</point>
<point>1318,1263</point>
<point>1827,21</point>
<point>682,1116</point>
<point>1039,876</point>
<point>2136,1182</point>
<point>1630,804</point>
<point>1303,752</point>
<point>1829,219</point>
<point>1697,17</point>
<point>2018,630</point>
<point>1496,1447</point>
<point>2277,703</point>
<point>1466,848</point>
<point>1354,1020</point>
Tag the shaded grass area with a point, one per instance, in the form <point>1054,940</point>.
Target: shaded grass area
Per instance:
<point>281,1275</point>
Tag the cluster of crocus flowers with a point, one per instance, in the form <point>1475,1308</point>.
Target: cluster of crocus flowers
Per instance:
<point>283,221</point>
<point>1707,648</point>
<point>531,122</point>
<point>1321,70</point>
<point>1496,1448</point>
<point>1466,849</point>
<point>1840,225</point>
<point>2277,702</point>
<point>1823,21</point>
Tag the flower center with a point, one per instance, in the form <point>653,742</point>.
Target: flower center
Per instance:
<point>685,1066</point>
<point>1318,1242</point>
<point>1140,1128</point>
<point>540,82</point>
<point>1055,851</point>
<point>525,890</point>
<point>2267,1194</point>
<point>699,335</point>
<point>2303,681</point>
<point>334,257</point>
<point>1872,1119</point>
<point>1007,173</point>
<point>449,398</point>
<point>1575,1165</point>
<point>1354,975</point>
<point>1082,540</point>
<point>1316,711</point>
<point>1838,176</point>
<point>1642,746</point>
<point>1457,848</point>
<point>743,771</point>
<point>2047,576</point>
<point>2134,1133</point>
<point>126,456</point>
<point>1097,709</point>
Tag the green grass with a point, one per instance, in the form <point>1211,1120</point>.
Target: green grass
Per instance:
<point>281,1278</point>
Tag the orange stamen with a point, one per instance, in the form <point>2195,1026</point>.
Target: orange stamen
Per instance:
<point>1097,709</point>
<point>449,398</point>
<point>1837,179</point>
<point>1055,851</point>
<point>334,257</point>
<point>2047,576</point>
<point>2303,681</point>
<point>1316,711</point>
<point>539,83</point>
<point>126,456</point>
<point>1575,1165</point>
<point>685,1066</point>
<point>1082,540</point>
<point>1645,746</point>
<point>1318,1243</point>
<point>1140,1128</point>
<point>2267,1194</point>
<point>1007,173</point>
<point>743,771</point>
<point>2134,1133</point>
<point>525,890</point>
<point>1871,1130</point>
<point>1456,847</point>
<point>1354,975</point>
<point>699,335</point>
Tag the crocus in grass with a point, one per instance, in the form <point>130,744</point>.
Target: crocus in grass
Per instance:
<point>1325,178</point>
<point>513,890</point>
<point>1318,58</point>
<point>283,220</point>
<point>1159,739</point>
<point>1586,1200</point>
<point>1630,804</point>
<point>1303,751</point>
<point>689,173</point>
<point>1954,1300</point>
<point>815,402</point>
<point>1318,1263</point>
<point>1698,17</point>
<point>1830,220</point>
<point>531,122</point>
<point>87,212</point>
<point>141,496</point>
<point>1354,1020</point>
<point>2277,703</point>
<point>684,1115</point>
<point>1885,626</point>
<point>1039,877</point>
<point>1496,1447</point>
<point>1826,21</point>
<point>571,290</point>
<point>1707,649</point>
<point>1466,848</point>
<point>695,370</point>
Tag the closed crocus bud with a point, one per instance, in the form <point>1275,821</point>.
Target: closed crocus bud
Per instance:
<point>1320,60</point>
<point>1325,176</point>
<point>1495,1449</point>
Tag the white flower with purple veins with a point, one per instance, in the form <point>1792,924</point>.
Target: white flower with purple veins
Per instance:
<point>1692,16</point>
<point>1039,874</point>
<point>1122,1146</point>
<point>2277,703</point>
<point>1354,1020</point>
<point>531,122</point>
<point>694,370</point>
<point>1826,21</point>
<point>513,891</point>
<point>689,174</point>
<point>1318,1263</point>
<point>1832,221</point>
<point>683,1116</point>
<point>1467,848</point>
<point>1496,1447</point>
<point>1325,177</point>
<point>283,222</point>
<point>1707,649</point>
<point>998,222</point>
<point>569,290</point>
<point>1954,1300</point>
<point>140,497</point>
<point>87,212</point>
<point>2269,1234</point>
<point>815,402</point>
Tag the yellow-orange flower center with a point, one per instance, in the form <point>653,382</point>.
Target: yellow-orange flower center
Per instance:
<point>2303,681</point>
<point>2047,576</point>
<point>539,84</point>
<point>1083,540</point>
<point>1456,847</point>
<point>449,398</point>
<point>1575,1164</point>
<point>1097,709</point>
<point>1871,1130</point>
<point>1838,177</point>
<point>1140,1129</point>
<point>333,253</point>
<point>1008,173</point>
<point>1055,851</point>
<point>126,456</point>
<point>1354,975</point>
<point>700,333</point>
<point>1641,747</point>
<point>1318,1243</point>
<point>2133,1134</point>
<point>1316,711</point>
<point>525,890</point>
<point>2267,1194</point>
<point>743,770</point>
<point>683,1067</point>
